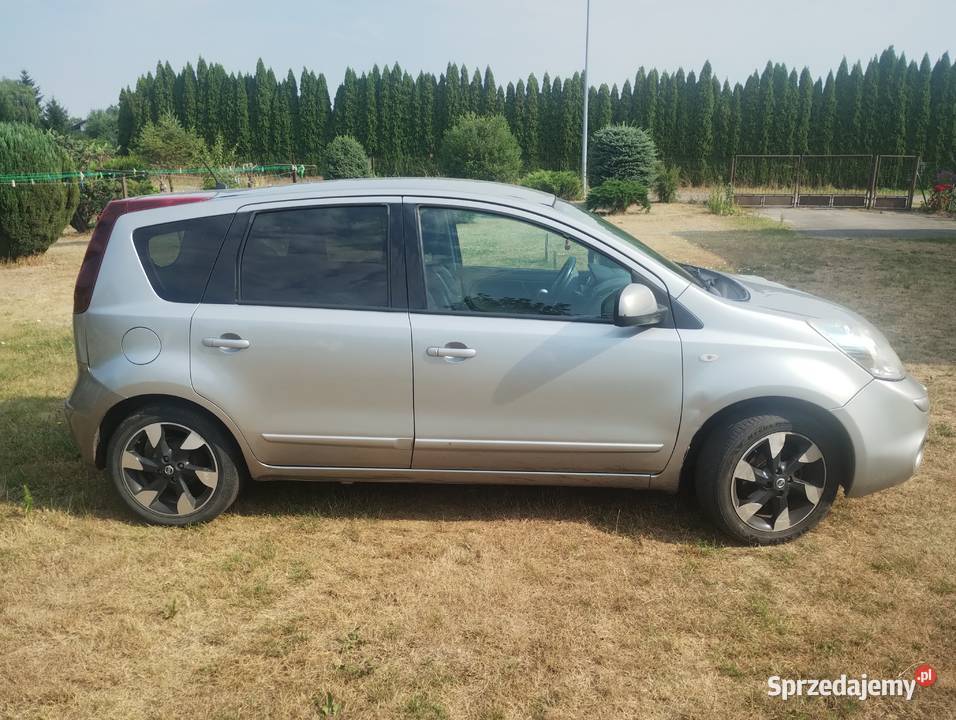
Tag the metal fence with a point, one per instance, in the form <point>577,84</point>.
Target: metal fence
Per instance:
<point>884,182</point>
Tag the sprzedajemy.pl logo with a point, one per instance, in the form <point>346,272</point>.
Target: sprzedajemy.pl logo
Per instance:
<point>862,687</point>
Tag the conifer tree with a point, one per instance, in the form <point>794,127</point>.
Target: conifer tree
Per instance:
<point>868,109</point>
<point>242,137</point>
<point>368,133</point>
<point>918,84</point>
<point>311,123</point>
<point>427,115</point>
<point>345,110</point>
<point>827,117</point>
<point>489,95</point>
<point>704,115</point>
<point>261,111</point>
<point>801,144</point>
<point>623,111</point>
<point>599,109</point>
<point>532,122</point>
<point>641,113</point>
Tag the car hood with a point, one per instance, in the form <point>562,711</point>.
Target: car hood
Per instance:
<point>769,295</point>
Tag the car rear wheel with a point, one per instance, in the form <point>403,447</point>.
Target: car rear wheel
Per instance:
<point>173,466</point>
<point>767,479</point>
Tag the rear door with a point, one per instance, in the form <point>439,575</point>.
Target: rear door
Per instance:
<point>303,337</point>
<point>518,365</point>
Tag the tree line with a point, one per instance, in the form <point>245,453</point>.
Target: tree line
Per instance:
<point>891,106</point>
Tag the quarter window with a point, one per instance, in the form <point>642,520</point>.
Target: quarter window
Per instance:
<point>179,256</point>
<point>478,262</point>
<point>317,257</point>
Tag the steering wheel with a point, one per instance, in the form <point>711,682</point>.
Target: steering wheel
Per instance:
<point>563,281</point>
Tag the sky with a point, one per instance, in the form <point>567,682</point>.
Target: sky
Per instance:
<point>83,53</point>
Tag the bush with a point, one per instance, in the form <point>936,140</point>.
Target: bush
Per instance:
<point>32,216</point>
<point>481,148</point>
<point>616,196</point>
<point>94,195</point>
<point>219,157</point>
<point>563,183</point>
<point>622,152</point>
<point>721,200</point>
<point>167,144</point>
<point>18,103</point>
<point>345,158</point>
<point>668,180</point>
<point>942,196</point>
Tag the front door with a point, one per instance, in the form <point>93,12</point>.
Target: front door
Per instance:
<point>517,364</point>
<point>312,361</point>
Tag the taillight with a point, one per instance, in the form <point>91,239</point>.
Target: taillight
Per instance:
<point>90,269</point>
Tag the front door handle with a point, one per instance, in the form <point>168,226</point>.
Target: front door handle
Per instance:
<point>452,350</point>
<point>226,342</point>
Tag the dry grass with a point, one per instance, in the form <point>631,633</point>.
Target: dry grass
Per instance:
<point>471,602</point>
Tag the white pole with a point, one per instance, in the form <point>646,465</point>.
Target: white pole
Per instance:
<point>584,115</point>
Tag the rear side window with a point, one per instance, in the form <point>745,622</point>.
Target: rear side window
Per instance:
<point>179,256</point>
<point>317,257</point>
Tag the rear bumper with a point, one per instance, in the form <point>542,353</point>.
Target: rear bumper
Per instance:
<point>85,408</point>
<point>887,424</point>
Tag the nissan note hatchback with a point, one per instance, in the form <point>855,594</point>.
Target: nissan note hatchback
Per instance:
<point>454,331</point>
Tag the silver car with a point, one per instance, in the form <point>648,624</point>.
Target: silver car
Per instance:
<point>462,332</point>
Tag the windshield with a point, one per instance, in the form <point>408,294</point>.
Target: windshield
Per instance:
<point>598,222</point>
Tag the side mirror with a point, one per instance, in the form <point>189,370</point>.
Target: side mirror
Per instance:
<point>636,306</point>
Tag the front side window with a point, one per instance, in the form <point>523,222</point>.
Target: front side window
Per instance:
<point>317,257</point>
<point>478,262</point>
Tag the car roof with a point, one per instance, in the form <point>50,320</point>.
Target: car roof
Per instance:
<point>434,187</point>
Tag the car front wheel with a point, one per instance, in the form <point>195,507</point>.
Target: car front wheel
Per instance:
<point>767,479</point>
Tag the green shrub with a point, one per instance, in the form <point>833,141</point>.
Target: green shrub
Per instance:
<point>721,200</point>
<point>125,163</point>
<point>616,196</point>
<point>563,183</point>
<point>345,158</point>
<point>89,155</point>
<point>218,157</point>
<point>168,145</point>
<point>32,216</point>
<point>94,195</point>
<point>481,148</point>
<point>18,103</point>
<point>622,152</point>
<point>667,182</point>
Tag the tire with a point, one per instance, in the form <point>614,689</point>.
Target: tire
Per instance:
<point>737,476</point>
<point>204,478</point>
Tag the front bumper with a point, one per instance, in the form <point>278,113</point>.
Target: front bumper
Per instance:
<point>85,408</point>
<point>887,424</point>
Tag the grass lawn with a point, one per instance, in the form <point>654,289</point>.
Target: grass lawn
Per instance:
<point>436,602</point>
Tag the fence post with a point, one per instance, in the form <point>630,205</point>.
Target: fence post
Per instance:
<point>909,200</point>
<point>796,181</point>
<point>295,174</point>
<point>125,193</point>
<point>876,169</point>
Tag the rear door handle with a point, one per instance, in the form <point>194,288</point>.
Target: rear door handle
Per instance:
<point>451,352</point>
<point>226,342</point>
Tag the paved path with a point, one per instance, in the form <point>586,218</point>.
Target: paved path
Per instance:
<point>846,223</point>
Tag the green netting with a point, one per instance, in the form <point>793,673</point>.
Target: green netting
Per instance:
<point>92,174</point>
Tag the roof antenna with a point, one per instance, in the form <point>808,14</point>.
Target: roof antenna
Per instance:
<point>220,185</point>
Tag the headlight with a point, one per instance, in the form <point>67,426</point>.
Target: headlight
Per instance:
<point>863,344</point>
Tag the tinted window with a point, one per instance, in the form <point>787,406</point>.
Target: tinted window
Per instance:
<point>179,256</point>
<point>317,257</point>
<point>478,262</point>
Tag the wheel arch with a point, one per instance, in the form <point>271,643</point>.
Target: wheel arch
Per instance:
<point>759,406</point>
<point>123,409</point>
